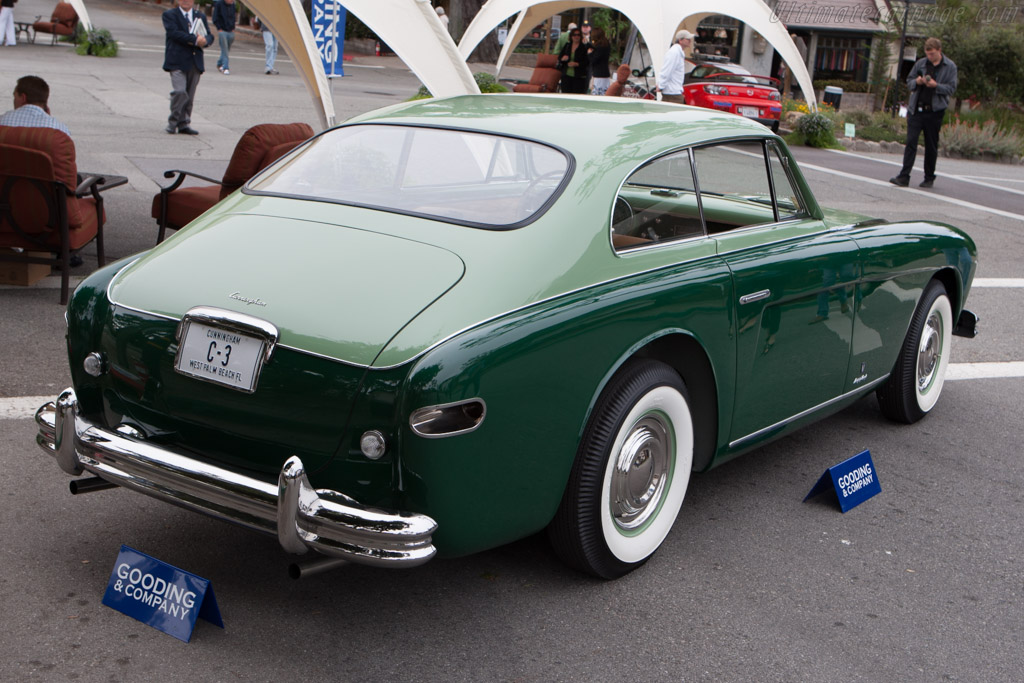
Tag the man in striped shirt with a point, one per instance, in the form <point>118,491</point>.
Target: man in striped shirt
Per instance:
<point>30,109</point>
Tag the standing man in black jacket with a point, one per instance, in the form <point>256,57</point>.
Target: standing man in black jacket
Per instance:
<point>932,82</point>
<point>187,35</point>
<point>224,14</point>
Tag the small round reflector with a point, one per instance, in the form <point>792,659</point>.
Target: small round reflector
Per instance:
<point>95,364</point>
<point>372,444</point>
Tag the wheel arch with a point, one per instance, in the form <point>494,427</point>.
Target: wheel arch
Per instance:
<point>952,283</point>
<point>681,351</point>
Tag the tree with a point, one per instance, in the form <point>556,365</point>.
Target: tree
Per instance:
<point>989,58</point>
<point>460,14</point>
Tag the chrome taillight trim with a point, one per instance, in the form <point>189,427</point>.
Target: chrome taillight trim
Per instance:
<point>422,417</point>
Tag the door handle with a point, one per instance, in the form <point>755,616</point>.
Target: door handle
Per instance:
<point>755,296</point>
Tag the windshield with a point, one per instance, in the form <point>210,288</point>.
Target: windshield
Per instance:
<point>479,179</point>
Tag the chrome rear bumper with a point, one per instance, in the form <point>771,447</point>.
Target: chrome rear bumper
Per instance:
<point>300,516</point>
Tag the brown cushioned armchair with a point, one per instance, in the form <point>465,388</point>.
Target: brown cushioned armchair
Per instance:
<point>44,204</point>
<point>175,206</point>
<point>545,76</point>
<point>616,88</point>
<point>62,22</point>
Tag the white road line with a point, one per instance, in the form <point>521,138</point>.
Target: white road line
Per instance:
<point>976,180</point>
<point>986,177</point>
<point>932,195</point>
<point>24,407</point>
<point>998,282</point>
<point>984,370</point>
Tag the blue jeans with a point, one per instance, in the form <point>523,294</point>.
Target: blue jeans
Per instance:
<point>224,39</point>
<point>270,48</point>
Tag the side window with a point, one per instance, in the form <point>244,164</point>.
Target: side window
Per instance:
<point>734,187</point>
<point>657,203</point>
<point>786,197</point>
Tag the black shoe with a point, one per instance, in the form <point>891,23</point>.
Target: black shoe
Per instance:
<point>927,183</point>
<point>902,181</point>
<point>188,131</point>
<point>171,129</point>
<point>271,72</point>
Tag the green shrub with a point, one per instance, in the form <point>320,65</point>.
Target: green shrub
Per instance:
<point>817,130</point>
<point>972,140</point>
<point>1006,116</point>
<point>883,127</point>
<point>97,42</point>
<point>77,37</point>
<point>486,82</point>
<point>876,126</point>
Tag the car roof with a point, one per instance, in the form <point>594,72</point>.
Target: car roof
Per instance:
<point>614,129</point>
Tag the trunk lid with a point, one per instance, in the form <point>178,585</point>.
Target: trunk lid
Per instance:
<point>333,291</point>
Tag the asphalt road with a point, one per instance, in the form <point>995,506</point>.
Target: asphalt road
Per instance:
<point>921,583</point>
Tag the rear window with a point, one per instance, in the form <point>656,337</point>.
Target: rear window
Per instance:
<point>479,179</point>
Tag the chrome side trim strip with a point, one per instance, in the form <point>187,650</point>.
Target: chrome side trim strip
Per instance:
<point>783,423</point>
<point>303,518</point>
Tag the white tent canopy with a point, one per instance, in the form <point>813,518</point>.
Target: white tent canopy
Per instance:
<point>410,27</point>
<point>83,14</point>
<point>656,20</point>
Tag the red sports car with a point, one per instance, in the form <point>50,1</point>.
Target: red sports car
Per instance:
<point>730,87</point>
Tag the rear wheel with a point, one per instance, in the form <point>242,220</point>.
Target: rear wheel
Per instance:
<point>913,388</point>
<point>630,475</point>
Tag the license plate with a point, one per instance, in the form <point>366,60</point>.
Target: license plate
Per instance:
<point>751,112</point>
<point>221,356</point>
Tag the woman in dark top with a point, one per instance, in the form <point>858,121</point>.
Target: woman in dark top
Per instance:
<point>572,60</point>
<point>600,50</point>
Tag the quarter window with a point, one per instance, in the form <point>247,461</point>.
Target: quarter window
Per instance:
<point>657,203</point>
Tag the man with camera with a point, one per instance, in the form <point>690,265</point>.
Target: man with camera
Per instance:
<point>932,82</point>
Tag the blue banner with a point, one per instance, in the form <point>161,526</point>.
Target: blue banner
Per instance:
<point>159,595</point>
<point>853,480</point>
<point>327,19</point>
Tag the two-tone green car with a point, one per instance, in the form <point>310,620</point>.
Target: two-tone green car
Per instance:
<point>453,323</point>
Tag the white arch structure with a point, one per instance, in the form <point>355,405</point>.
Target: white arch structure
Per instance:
<point>657,20</point>
<point>410,27</point>
<point>83,14</point>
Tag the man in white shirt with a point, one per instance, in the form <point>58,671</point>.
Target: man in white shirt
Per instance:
<point>673,69</point>
<point>30,109</point>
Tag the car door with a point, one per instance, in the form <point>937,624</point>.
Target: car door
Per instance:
<point>793,282</point>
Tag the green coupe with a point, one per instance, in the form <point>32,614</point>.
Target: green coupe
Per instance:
<point>450,324</point>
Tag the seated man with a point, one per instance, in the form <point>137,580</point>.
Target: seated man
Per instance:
<point>30,109</point>
<point>31,94</point>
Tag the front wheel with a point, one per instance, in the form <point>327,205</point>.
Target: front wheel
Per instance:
<point>913,388</point>
<point>630,475</point>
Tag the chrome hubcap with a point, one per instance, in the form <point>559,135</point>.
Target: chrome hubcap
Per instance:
<point>929,352</point>
<point>641,473</point>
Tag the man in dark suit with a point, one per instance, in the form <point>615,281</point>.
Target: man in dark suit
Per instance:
<point>187,35</point>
